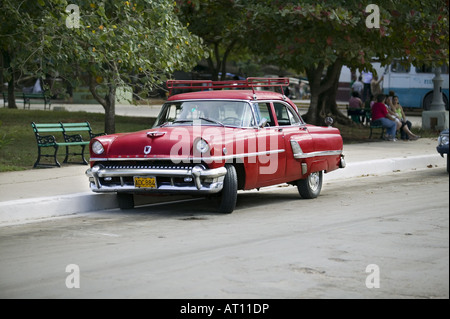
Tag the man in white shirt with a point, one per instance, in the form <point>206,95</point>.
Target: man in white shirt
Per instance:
<point>358,86</point>
<point>366,79</point>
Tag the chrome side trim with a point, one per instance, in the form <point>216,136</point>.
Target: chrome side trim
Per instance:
<point>314,154</point>
<point>188,159</point>
<point>233,156</point>
<point>299,154</point>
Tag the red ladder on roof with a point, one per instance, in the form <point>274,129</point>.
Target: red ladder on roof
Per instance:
<point>249,83</point>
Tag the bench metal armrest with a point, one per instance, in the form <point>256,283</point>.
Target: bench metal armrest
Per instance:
<point>46,139</point>
<point>73,138</point>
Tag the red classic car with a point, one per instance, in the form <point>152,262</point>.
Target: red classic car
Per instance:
<point>229,136</point>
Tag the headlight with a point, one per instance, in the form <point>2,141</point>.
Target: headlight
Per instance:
<point>443,140</point>
<point>97,148</point>
<point>202,146</point>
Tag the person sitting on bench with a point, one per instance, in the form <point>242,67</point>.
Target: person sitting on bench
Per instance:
<point>381,115</point>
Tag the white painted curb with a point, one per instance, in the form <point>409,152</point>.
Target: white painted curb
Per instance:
<point>383,166</point>
<point>23,210</point>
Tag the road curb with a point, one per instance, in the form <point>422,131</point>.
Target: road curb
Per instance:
<point>383,166</point>
<point>23,210</point>
<point>26,210</point>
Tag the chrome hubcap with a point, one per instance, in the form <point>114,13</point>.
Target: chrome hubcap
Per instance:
<point>314,181</point>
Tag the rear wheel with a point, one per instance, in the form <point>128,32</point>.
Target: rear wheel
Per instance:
<point>228,197</point>
<point>126,201</point>
<point>311,186</point>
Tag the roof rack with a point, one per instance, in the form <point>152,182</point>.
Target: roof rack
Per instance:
<point>249,83</point>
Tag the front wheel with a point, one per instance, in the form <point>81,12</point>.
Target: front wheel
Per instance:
<point>228,196</point>
<point>311,186</point>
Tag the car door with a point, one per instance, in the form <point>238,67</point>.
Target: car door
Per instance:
<point>270,147</point>
<point>292,128</point>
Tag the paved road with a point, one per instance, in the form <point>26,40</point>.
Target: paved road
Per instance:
<point>274,245</point>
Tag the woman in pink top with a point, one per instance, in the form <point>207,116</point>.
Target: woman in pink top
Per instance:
<point>381,115</point>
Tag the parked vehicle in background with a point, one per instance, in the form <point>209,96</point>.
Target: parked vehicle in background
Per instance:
<point>225,138</point>
<point>414,85</point>
<point>442,147</point>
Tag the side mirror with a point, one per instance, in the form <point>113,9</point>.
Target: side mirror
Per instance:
<point>329,121</point>
<point>263,122</point>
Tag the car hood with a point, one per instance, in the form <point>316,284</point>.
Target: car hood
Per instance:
<point>163,142</point>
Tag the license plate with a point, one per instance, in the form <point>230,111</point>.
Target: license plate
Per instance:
<point>145,182</point>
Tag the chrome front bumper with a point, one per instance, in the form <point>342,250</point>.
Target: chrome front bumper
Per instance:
<point>195,180</point>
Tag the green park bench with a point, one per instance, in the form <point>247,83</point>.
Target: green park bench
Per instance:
<point>28,98</point>
<point>44,139</point>
<point>374,125</point>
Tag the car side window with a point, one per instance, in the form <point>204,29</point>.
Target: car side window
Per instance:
<point>285,115</point>
<point>265,112</point>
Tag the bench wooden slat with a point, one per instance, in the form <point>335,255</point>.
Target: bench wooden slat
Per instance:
<point>50,130</point>
<point>77,129</point>
<point>73,143</point>
<point>86,124</point>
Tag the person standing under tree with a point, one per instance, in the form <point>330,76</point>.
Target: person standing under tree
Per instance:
<point>358,86</point>
<point>366,79</point>
<point>375,86</point>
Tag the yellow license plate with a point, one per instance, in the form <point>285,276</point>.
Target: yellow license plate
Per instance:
<point>145,182</point>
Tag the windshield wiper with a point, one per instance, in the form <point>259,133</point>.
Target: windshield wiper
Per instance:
<point>165,123</point>
<point>182,121</point>
<point>211,120</point>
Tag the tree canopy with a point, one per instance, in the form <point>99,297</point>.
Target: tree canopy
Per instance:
<point>141,42</point>
<point>111,44</point>
<point>319,37</point>
<point>221,24</point>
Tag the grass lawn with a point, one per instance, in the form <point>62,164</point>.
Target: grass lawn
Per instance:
<point>18,149</point>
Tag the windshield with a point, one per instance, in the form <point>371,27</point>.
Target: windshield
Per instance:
<point>223,113</point>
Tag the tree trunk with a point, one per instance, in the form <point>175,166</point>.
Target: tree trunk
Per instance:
<point>12,82</point>
<point>327,107</point>
<point>108,103</point>
<point>110,110</point>
<point>215,67</point>
<point>314,77</point>
<point>220,65</point>
<point>225,57</point>
<point>323,95</point>
<point>11,94</point>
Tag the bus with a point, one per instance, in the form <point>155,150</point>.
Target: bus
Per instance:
<point>414,85</point>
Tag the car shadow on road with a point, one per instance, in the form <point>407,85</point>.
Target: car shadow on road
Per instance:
<point>196,208</point>
<point>189,208</point>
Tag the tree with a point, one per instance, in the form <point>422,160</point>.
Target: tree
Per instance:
<point>319,37</point>
<point>221,24</point>
<point>127,43</point>
<point>112,44</point>
<point>20,42</point>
